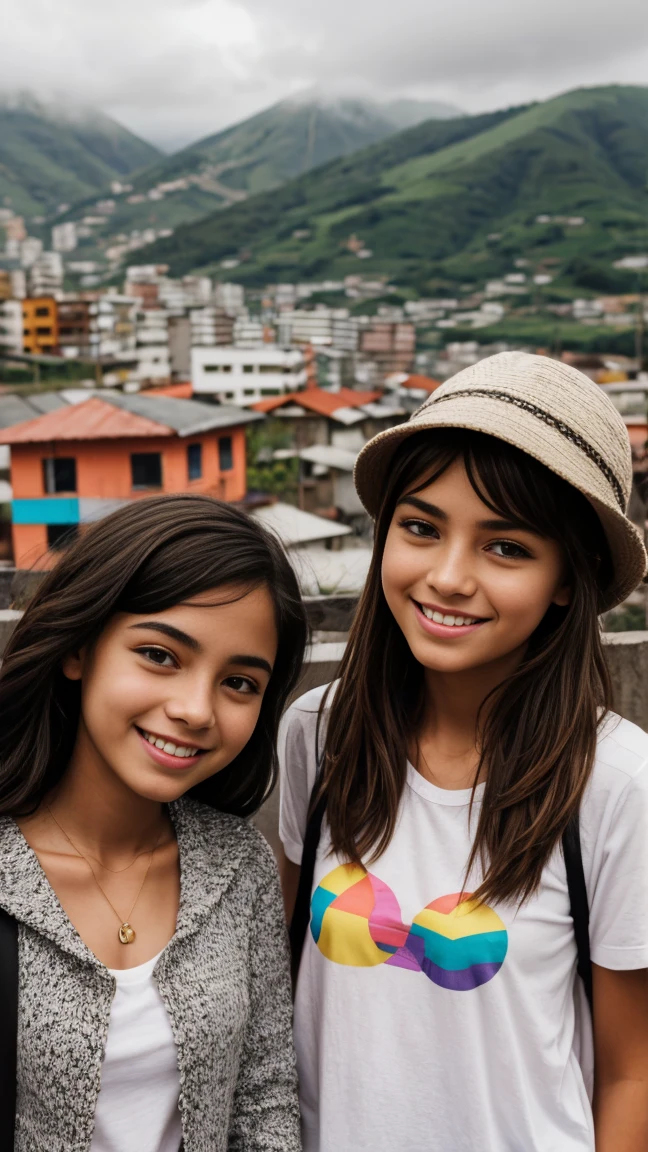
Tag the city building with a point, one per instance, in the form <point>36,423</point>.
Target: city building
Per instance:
<point>64,237</point>
<point>40,325</point>
<point>152,345</point>
<point>79,462</point>
<point>46,275</point>
<point>30,250</point>
<point>245,376</point>
<point>386,347</point>
<point>11,326</point>
<point>205,327</point>
<point>231,297</point>
<point>321,327</point>
<point>344,419</point>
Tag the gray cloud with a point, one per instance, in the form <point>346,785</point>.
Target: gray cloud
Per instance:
<point>174,70</point>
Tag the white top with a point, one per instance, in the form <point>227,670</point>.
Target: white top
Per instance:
<point>425,1023</point>
<point>137,1109</point>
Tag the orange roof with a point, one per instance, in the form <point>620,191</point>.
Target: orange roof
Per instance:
<point>318,401</point>
<point>93,419</point>
<point>182,390</point>
<point>425,383</point>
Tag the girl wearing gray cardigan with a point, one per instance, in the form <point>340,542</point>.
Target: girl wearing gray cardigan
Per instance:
<point>139,701</point>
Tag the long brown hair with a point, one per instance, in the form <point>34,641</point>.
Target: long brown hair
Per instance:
<point>537,738</point>
<point>146,557</point>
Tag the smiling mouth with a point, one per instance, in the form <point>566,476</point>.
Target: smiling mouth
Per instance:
<point>450,619</point>
<point>180,751</point>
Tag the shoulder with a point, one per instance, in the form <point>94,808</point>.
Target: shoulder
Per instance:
<point>621,753</point>
<point>222,836</point>
<point>619,776</point>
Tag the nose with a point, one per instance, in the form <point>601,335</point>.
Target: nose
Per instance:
<point>452,572</point>
<point>193,703</point>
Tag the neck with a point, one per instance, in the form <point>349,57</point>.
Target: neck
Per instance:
<point>453,700</point>
<point>99,811</point>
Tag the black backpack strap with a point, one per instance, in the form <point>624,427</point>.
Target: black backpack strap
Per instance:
<point>9,1029</point>
<point>301,913</point>
<point>579,904</point>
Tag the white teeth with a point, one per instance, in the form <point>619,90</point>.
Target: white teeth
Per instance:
<point>447,619</point>
<point>179,750</point>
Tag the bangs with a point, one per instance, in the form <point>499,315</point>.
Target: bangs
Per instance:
<point>509,482</point>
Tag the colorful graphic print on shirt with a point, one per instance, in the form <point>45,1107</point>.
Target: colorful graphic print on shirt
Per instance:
<point>356,920</point>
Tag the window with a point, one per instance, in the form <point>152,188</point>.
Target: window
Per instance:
<point>43,331</point>
<point>42,311</point>
<point>60,536</point>
<point>225,456</point>
<point>146,470</point>
<point>248,368</point>
<point>194,461</point>
<point>59,474</point>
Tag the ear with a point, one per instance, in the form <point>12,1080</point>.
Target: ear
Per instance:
<point>72,665</point>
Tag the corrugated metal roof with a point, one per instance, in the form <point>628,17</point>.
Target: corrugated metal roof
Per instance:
<point>17,409</point>
<point>95,419</point>
<point>186,417</point>
<point>161,416</point>
<point>328,456</point>
<point>294,527</point>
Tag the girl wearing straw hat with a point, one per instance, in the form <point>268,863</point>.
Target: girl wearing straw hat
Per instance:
<point>465,821</point>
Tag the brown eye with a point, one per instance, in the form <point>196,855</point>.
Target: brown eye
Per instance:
<point>158,656</point>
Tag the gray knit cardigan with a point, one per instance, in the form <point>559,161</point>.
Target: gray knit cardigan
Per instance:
<point>223,978</point>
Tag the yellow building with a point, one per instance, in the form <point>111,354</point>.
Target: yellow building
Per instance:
<point>40,325</point>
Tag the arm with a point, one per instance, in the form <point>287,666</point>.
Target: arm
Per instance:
<point>289,874</point>
<point>265,1113</point>
<point>621,1060</point>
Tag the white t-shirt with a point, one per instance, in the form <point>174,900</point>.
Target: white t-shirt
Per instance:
<point>425,1024</point>
<point>137,1109</point>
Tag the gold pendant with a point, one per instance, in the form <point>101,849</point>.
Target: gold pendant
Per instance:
<point>126,934</point>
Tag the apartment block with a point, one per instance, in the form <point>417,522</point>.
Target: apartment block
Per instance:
<point>40,325</point>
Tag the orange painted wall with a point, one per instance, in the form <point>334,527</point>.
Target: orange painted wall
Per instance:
<point>30,546</point>
<point>104,469</point>
<point>47,339</point>
<point>104,472</point>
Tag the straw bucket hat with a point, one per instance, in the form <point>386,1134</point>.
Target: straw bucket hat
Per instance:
<point>553,412</point>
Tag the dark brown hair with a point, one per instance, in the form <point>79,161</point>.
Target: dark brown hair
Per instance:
<point>537,738</point>
<point>147,557</point>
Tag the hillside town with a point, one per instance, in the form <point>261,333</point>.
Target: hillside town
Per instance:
<point>261,396</point>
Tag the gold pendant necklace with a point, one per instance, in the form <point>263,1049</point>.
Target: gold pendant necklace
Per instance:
<point>126,933</point>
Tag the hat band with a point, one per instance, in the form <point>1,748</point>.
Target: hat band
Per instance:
<point>547,418</point>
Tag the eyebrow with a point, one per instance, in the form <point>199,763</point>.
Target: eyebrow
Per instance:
<point>171,632</point>
<point>498,524</point>
<point>190,642</point>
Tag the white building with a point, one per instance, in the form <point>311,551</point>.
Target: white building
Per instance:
<point>46,275</point>
<point>248,333</point>
<point>30,250</point>
<point>321,327</point>
<point>152,345</point>
<point>190,292</point>
<point>231,297</point>
<point>243,376</point>
<point>11,326</point>
<point>64,237</point>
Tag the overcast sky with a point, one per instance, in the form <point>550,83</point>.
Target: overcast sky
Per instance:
<point>175,70</point>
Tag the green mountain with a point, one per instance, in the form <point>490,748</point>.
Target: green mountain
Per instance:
<point>256,155</point>
<point>452,201</point>
<point>52,155</point>
<point>286,140</point>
